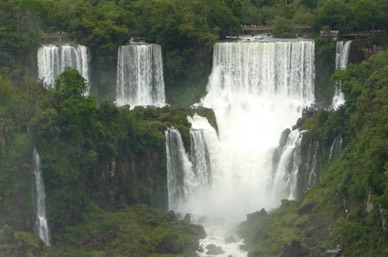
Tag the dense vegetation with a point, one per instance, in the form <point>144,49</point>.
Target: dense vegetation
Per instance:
<point>348,206</point>
<point>131,231</point>
<point>186,30</point>
<point>96,155</point>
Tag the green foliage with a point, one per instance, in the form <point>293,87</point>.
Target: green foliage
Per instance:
<point>134,231</point>
<point>283,28</point>
<point>335,14</point>
<point>356,181</point>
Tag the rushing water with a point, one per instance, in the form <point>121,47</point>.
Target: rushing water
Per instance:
<point>256,89</point>
<point>41,226</point>
<point>336,148</point>
<point>52,60</point>
<point>140,75</point>
<point>288,167</point>
<point>341,61</point>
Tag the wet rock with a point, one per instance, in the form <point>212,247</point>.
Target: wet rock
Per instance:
<point>170,216</point>
<point>168,244</point>
<point>230,239</point>
<point>6,234</point>
<point>187,218</point>
<point>256,215</point>
<point>307,208</point>
<point>214,250</point>
<point>295,250</point>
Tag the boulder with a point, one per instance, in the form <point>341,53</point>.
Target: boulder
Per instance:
<point>6,234</point>
<point>212,249</point>
<point>230,239</point>
<point>295,249</point>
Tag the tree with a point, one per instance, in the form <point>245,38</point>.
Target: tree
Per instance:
<point>70,83</point>
<point>367,15</point>
<point>335,14</point>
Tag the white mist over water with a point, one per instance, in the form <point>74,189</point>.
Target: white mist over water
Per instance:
<point>52,60</point>
<point>41,226</point>
<point>140,75</point>
<point>256,89</point>
<point>341,61</point>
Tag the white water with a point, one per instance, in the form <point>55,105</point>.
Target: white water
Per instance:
<point>52,60</point>
<point>341,61</point>
<point>256,89</point>
<point>288,167</point>
<point>41,226</point>
<point>180,177</point>
<point>313,165</point>
<point>140,75</point>
<point>336,148</point>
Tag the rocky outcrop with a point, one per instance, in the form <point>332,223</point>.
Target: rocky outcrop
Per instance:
<point>295,249</point>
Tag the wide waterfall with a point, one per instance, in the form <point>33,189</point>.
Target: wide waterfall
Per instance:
<point>341,61</point>
<point>140,75</point>
<point>41,226</point>
<point>52,60</point>
<point>256,89</point>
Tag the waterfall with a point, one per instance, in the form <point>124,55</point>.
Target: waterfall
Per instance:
<point>140,75</point>
<point>41,225</point>
<point>288,167</point>
<point>52,60</point>
<point>180,177</point>
<point>312,166</point>
<point>341,61</point>
<point>256,89</point>
<point>204,143</point>
<point>336,148</point>
<point>187,177</point>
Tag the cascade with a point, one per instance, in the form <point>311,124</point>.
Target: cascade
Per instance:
<point>180,178</point>
<point>256,89</point>
<point>341,61</point>
<point>313,165</point>
<point>336,148</point>
<point>41,226</point>
<point>204,143</point>
<point>140,75</point>
<point>288,167</point>
<point>52,60</point>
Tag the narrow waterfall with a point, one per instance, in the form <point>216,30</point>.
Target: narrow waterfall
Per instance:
<point>180,177</point>
<point>41,226</point>
<point>288,167</point>
<point>140,75</point>
<point>204,142</point>
<point>312,162</point>
<point>336,148</point>
<point>189,174</point>
<point>341,61</point>
<point>52,60</point>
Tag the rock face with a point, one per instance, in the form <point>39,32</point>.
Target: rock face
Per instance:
<point>214,250</point>
<point>256,215</point>
<point>295,249</point>
<point>131,180</point>
<point>6,235</point>
<point>362,49</point>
